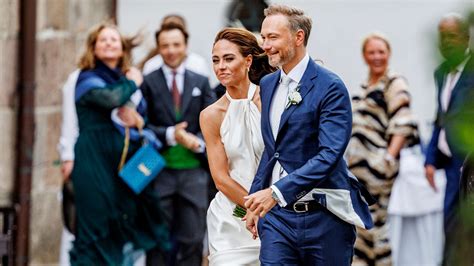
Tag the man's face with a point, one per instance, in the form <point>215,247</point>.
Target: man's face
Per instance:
<point>278,40</point>
<point>452,42</point>
<point>172,47</point>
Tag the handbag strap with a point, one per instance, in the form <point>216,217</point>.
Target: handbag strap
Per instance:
<point>126,144</point>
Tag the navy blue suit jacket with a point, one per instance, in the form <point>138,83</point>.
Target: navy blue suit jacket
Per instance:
<point>310,144</point>
<point>457,100</point>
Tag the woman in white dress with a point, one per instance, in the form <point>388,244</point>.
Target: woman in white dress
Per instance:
<point>231,129</point>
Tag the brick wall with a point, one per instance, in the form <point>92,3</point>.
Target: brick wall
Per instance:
<point>9,24</point>
<point>62,27</point>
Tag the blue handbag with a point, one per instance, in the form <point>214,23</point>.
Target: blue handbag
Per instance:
<point>142,168</point>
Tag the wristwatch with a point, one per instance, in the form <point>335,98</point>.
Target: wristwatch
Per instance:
<point>275,197</point>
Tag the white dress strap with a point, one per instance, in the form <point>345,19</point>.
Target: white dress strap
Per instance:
<point>250,93</point>
<point>252,90</point>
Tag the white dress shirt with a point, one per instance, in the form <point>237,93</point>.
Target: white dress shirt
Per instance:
<point>276,110</point>
<point>168,73</point>
<point>450,82</point>
<point>69,124</point>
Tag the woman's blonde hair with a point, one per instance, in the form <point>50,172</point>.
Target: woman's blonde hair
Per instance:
<point>375,36</point>
<point>88,58</point>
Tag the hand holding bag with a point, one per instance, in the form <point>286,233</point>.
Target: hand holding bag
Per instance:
<point>142,168</point>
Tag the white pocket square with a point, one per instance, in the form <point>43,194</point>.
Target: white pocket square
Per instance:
<point>196,92</point>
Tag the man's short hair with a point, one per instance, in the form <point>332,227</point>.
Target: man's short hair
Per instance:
<point>174,18</point>
<point>172,26</point>
<point>296,18</point>
<point>460,21</point>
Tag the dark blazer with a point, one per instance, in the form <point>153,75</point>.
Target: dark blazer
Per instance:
<point>465,84</point>
<point>310,144</point>
<point>196,96</point>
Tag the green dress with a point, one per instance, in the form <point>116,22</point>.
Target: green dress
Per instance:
<point>110,217</point>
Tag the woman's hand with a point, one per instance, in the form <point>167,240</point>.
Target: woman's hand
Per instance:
<point>251,221</point>
<point>430,173</point>
<point>134,74</point>
<point>66,169</point>
<point>130,117</point>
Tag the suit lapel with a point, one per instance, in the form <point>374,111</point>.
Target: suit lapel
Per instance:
<point>440,75</point>
<point>187,92</point>
<point>463,82</point>
<point>305,85</point>
<point>163,93</point>
<point>273,86</point>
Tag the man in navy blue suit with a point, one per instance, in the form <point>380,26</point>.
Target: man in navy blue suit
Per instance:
<point>303,203</point>
<point>454,79</point>
<point>455,82</point>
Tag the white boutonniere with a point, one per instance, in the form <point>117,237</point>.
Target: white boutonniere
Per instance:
<point>294,97</point>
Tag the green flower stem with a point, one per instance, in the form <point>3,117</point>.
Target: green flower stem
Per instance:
<point>239,211</point>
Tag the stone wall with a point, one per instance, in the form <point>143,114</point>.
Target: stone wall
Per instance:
<point>62,27</point>
<point>9,27</point>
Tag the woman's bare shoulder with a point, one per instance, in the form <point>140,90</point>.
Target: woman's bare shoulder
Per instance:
<point>219,106</point>
<point>214,113</point>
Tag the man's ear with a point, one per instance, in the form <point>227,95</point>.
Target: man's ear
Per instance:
<point>300,35</point>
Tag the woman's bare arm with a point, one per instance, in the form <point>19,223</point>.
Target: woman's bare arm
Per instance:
<point>210,121</point>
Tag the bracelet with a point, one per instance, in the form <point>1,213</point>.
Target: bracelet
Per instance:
<point>389,157</point>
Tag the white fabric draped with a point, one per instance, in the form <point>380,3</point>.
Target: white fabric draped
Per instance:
<point>229,241</point>
<point>416,213</point>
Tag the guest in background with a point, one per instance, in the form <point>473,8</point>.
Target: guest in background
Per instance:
<point>192,61</point>
<point>111,219</point>
<point>175,97</point>
<point>382,125</point>
<point>454,79</point>
<point>65,147</point>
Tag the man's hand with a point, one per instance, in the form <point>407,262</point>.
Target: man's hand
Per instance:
<point>66,169</point>
<point>188,140</point>
<point>179,131</point>
<point>191,142</point>
<point>429,173</point>
<point>251,221</point>
<point>260,202</point>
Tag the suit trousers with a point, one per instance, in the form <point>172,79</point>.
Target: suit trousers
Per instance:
<point>311,238</point>
<point>451,199</point>
<point>184,201</point>
<point>451,203</point>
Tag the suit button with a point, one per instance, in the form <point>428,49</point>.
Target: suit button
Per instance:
<point>276,155</point>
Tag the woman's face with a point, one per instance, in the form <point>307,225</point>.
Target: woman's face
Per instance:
<point>376,55</point>
<point>229,65</point>
<point>108,47</point>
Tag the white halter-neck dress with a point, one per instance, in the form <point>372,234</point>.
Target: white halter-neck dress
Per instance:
<point>230,243</point>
